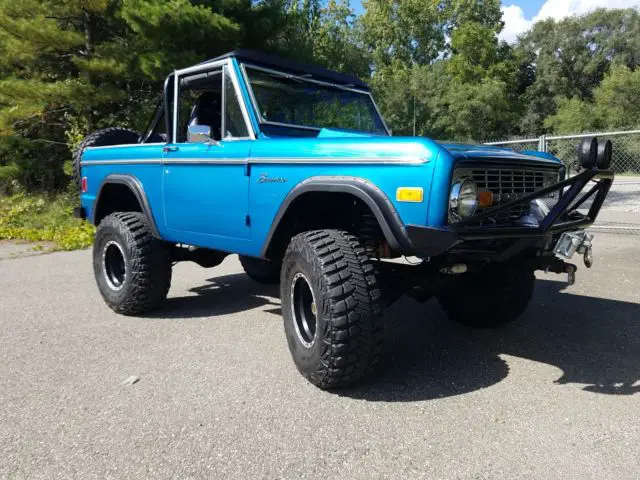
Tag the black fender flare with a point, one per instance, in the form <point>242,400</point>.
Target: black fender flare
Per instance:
<point>382,208</point>
<point>136,188</point>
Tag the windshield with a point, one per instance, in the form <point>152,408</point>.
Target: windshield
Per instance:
<point>291,100</point>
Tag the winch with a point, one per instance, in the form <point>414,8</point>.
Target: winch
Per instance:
<point>575,242</point>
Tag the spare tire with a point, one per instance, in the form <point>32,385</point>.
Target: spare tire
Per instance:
<point>102,138</point>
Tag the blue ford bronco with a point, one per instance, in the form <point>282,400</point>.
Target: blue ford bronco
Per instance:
<point>293,168</point>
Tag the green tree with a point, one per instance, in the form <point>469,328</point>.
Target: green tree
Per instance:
<point>70,66</point>
<point>473,27</point>
<point>170,34</point>
<point>56,75</point>
<point>570,58</point>
<point>616,98</point>
<point>395,96</point>
<point>337,42</point>
<point>614,105</point>
<point>455,80</point>
<point>408,31</point>
<point>573,116</point>
<point>323,32</point>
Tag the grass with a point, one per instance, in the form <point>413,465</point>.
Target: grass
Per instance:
<point>44,218</point>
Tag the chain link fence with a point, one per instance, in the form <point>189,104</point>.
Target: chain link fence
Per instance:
<point>621,211</point>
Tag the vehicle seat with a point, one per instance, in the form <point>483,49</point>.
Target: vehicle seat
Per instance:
<point>207,111</point>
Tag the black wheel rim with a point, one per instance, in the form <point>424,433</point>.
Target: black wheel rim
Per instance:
<point>113,265</point>
<point>304,310</point>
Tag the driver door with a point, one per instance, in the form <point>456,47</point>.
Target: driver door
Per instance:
<point>205,186</point>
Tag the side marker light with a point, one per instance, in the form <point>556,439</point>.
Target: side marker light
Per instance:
<point>410,194</point>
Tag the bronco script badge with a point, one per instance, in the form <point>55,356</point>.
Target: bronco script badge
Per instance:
<point>264,178</point>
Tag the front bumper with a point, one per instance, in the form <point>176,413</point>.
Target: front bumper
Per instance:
<point>564,216</point>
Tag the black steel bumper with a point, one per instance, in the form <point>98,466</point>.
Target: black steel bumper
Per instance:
<point>564,216</point>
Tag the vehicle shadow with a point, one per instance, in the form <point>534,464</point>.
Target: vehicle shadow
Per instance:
<point>224,295</point>
<point>594,341</point>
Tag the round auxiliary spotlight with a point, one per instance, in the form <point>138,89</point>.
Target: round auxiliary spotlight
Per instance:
<point>588,152</point>
<point>605,152</point>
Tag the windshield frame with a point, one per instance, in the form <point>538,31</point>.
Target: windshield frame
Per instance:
<point>304,78</point>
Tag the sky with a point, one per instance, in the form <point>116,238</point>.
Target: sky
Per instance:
<point>519,15</point>
<point>530,7</point>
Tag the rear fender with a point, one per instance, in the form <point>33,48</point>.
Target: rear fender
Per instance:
<point>134,185</point>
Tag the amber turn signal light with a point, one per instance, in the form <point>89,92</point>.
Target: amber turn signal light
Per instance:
<point>485,198</point>
<point>410,194</point>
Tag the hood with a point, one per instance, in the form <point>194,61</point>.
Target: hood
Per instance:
<point>337,133</point>
<point>470,151</point>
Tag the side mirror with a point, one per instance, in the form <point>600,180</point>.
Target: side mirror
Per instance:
<point>199,134</point>
<point>588,152</point>
<point>605,153</point>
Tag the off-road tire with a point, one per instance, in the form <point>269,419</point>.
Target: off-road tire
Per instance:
<point>147,264</point>
<point>493,297</point>
<point>262,271</point>
<point>349,327</point>
<point>102,138</point>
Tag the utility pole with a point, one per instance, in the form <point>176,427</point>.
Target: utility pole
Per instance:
<point>414,114</point>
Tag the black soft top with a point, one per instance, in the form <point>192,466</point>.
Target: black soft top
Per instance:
<point>291,66</point>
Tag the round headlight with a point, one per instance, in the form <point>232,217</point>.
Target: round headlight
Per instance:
<point>463,199</point>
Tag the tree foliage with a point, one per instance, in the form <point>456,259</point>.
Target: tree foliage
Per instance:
<point>70,66</point>
<point>572,56</point>
<point>326,33</point>
<point>614,105</point>
<point>437,67</point>
<point>457,81</point>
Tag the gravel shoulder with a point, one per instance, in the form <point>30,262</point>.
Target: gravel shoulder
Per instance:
<point>11,249</point>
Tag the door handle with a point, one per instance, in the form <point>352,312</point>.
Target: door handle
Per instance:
<point>170,148</point>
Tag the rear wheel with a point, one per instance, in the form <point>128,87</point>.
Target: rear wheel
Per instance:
<point>493,297</point>
<point>262,271</point>
<point>132,268</point>
<point>331,308</point>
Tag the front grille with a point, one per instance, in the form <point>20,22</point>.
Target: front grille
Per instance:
<point>507,184</point>
<point>501,181</point>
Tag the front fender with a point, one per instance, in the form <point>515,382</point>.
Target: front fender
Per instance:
<point>382,208</point>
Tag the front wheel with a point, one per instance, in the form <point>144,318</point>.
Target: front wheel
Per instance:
<point>331,308</point>
<point>132,268</point>
<point>493,297</point>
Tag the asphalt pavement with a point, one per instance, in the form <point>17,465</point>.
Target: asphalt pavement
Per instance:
<point>214,392</point>
<point>621,211</point>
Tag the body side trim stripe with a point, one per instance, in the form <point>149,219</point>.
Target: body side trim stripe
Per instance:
<point>126,145</point>
<point>152,161</point>
<point>374,160</point>
<point>156,161</point>
<point>220,160</point>
<point>266,160</point>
